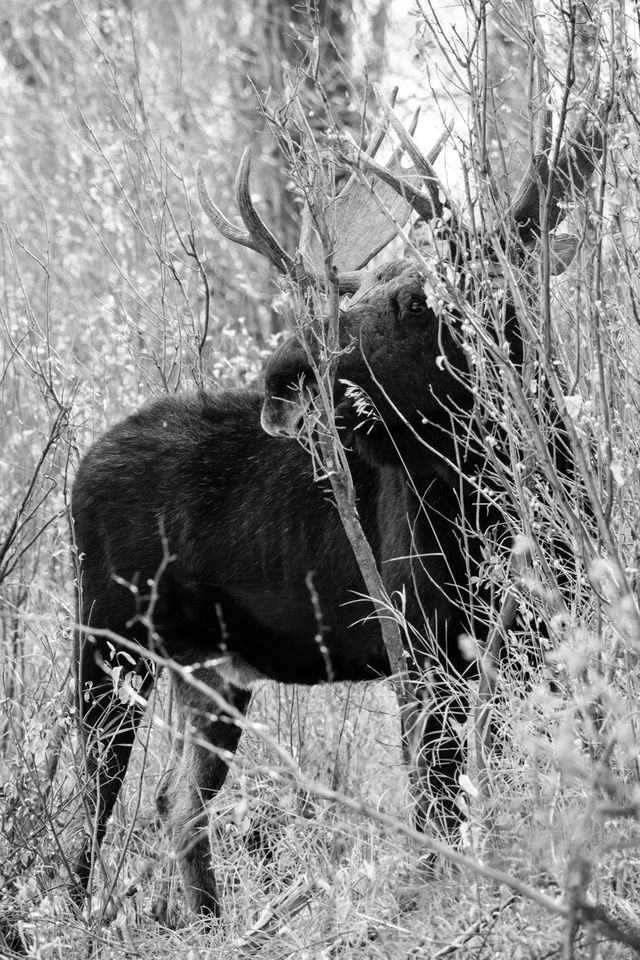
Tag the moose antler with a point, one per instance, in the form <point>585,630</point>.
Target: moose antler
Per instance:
<point>435,203</point>
<point>576,160</point>
<point>424,165</point>
<point>257,236</point>
<point>360,227</point>
<point>425,207</point>
<point>573,164</point>
<point>366,214</point>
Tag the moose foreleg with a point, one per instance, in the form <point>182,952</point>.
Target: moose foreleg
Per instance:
<point>211,737</point>
<point>432,729</point>
<point>108,724</point>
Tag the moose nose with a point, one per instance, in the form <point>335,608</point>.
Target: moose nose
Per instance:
<point>280,419</point>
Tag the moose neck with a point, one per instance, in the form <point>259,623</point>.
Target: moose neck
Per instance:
<point>421,449</point>
<point>423,556</point>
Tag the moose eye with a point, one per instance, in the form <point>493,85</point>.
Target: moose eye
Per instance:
<point>416,306</point>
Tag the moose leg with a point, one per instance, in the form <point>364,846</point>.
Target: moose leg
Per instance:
<point>108,724</point>
<point>211,736</point>
<point>433,738</point>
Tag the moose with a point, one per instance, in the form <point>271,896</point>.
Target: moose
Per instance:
<point>199,518</point>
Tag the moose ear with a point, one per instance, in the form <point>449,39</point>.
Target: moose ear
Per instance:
<point>562,251</point>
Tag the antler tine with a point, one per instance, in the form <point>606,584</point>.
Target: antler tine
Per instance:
<point>578,156</point>
<point>542,140</point>
<point>220,222</point>
<point>525,206</point>
<point>258,236</point>
<point>379,136</point>
<point>380,131</point>
<point>415,198</point>
<point>422,204</point>
<point>263,240</point>
<point>365,157</point>
<point>575,164</point>
<point>414,123</point>
<point>423,165</point>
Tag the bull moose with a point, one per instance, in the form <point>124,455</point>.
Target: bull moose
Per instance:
<point>199,518</point>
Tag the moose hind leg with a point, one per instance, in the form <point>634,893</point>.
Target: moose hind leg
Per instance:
<point>108,725</point>
<point>211,737</point>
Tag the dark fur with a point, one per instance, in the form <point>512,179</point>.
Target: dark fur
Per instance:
<point>245,521</point>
